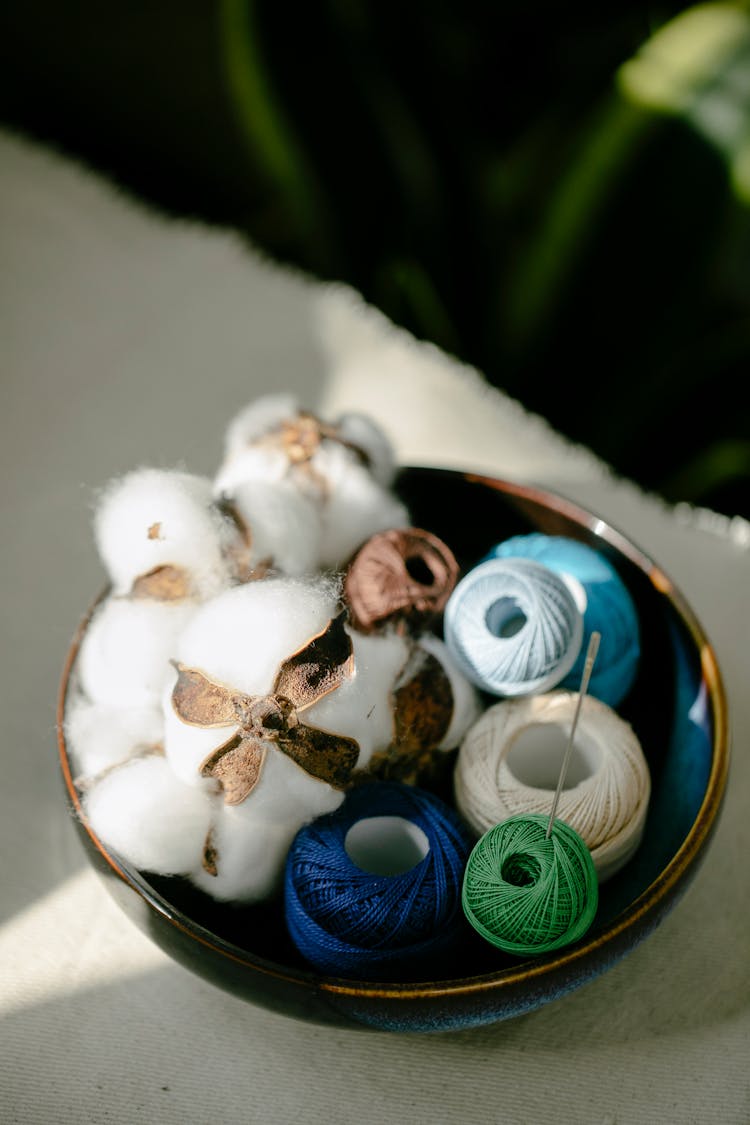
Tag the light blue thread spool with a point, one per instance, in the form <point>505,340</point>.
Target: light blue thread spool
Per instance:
<point>606,605</point>
<point>513,627</point>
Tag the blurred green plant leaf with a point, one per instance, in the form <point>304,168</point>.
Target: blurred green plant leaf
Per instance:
<point>403,283</point>
<point>698,68</point>
<point>576,196</point>
<point>279,154</point>
<point>576,226</point>
<point>719,466</point>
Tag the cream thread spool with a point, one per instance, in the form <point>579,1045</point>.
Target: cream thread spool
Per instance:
<point>508,764</point>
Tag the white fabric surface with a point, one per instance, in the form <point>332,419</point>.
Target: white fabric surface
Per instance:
<point>128,339</point>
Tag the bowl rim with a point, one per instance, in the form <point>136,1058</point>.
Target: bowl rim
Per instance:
<point>666,882</point>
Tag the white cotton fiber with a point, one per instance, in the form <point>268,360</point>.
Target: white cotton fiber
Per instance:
<point>124,659</point>
<point>250,857</point>
<point>258,418</point>
<point>153,518</point>
<point>145,814</point>
<point>287,794</point>
<point>361,708</point>
<point>284,525</point>
<point>356,508</point>
<point>467,705</point>
<point>368,436</point>
<point>241,637</point>
<point>246,456</point>
<point>99,736</point>
<point>268,464</point>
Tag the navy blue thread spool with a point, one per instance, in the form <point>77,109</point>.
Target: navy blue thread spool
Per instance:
<point>377,924</point>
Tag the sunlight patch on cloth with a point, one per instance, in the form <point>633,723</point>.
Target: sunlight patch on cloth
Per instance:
<point>81,940</point>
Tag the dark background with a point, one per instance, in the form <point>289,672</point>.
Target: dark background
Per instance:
<point>476,170</point>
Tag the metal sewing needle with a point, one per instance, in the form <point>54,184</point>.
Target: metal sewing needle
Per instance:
<point>587,667</point>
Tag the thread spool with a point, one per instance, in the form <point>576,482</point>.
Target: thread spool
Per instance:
<point>605,602</point>
<point>374,889</point>
<point>530,884</point>
<point>513,627</point>
<point>401,575</point>
<point>509,761</point>
<point>528,893</point>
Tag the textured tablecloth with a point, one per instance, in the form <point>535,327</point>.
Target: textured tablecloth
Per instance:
<point>128,338</point>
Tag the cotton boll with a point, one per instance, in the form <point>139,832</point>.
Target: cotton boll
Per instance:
<point>249,842</point>
<point>145,814</point>
<point>356,508</point>
<point>284,525</point>
<point>362,707</point>
<point>99,736</point>
<point>153,518</point>
<point>467,705</point>
<point>286,793</point>
<point>266,463</point>
<point>246,456</point>
<point>364,433</point>
<point>258,418</point>
<point>345,466</point>
<point>250,857</point>
<point>276,426</point>
<point>124,659</point>
<point>241,637</point>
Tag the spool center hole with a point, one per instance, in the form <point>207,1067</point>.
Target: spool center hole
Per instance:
<point>505,618</point>
<point>521,869</point>
<point>537,752</point>
<point>417,568</point>
<point>386,845</point>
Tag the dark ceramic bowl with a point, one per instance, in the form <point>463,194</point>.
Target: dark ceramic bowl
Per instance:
<point>676,707</point>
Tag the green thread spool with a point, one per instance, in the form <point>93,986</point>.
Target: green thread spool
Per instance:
<point>530,885</point>
<point>527,892</point>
